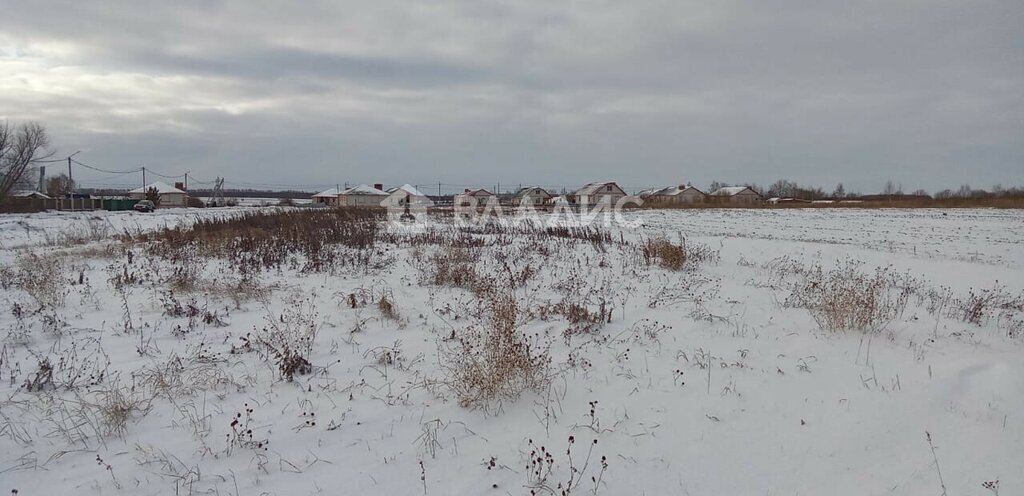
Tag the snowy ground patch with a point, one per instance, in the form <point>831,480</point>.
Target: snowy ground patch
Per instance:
<point>798,351</point>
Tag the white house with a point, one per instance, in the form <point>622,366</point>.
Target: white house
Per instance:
<point>29,194</point>
<point>737,195</point>
<point>607,193</point>
<point>328,197</point>
<point>534,196</point>
<point>475,198</point>
<point>169,195</point>
<point>362,196</point>
<point>683,194</point>
<point>406,194</point>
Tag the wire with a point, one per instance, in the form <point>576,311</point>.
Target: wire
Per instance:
<point>105,170</point>
<point>151,171</point>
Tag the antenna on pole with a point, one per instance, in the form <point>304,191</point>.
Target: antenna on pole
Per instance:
<point>217,196</point>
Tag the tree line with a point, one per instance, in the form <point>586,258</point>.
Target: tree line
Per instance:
<point>784,188</point>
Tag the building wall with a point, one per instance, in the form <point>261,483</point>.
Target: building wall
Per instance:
<point>362,200</point>
<point>683,198</point>
<point>691,196</point>
<point>173,200</point>
<point>533,199</point>
<point>745,198</point>
<point>474,200</point>
<point>608,198</point>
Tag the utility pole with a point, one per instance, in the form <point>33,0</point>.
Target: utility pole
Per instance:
<point>71,183</point>
<point>439,188</point>
<point>186,181</point>
<point>143,179</point>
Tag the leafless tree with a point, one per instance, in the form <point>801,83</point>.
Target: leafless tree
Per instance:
<point>153,195</point>
<point>892,189</point>
<point>59,185</point>
<point>21,147</point>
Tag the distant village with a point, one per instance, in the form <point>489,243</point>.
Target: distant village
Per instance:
<point>163,195</point>
<point>591,194</point>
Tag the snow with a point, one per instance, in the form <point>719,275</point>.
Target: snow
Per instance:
<point>328,193</point>
<point>408,188</point>
<point>593,188</point>
<point>28,193</point>
<point>784,408</point>
<point>161,188</point>
<point>53,227</point>
<point>669,191</point>
<point>363,189</point>
<point>729,190</point>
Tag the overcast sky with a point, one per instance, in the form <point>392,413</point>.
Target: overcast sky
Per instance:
<point>926,93</point>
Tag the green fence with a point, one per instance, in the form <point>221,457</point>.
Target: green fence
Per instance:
<point>119,204</point>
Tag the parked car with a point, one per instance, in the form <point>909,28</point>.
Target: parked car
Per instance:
<point>144,206</point>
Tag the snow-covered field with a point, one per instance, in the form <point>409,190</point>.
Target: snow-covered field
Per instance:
<point>58,227</point>
<point>165,371</point>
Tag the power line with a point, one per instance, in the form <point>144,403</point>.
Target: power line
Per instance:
<point>151,171</point>
<point>87,166</point>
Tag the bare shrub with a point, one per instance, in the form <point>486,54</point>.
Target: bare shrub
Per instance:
<point>244,288</point>
<point>667,254</point>
<point>242,435</point>
<point>42,278</point>
<point>192,311</point>
<point>979,306</point>
<point>848,298</point>
<point>70,364</point>
<point>93,229</point>
<point>582,320</point>
<point>179,377</point>
<point>387,307</point>
<point>697,290</point>
<point>117,404</point>
<point>186,265</point>
<point>391,356</point>
<point>454,267</point>
<point>540,470</point>
<point>673,256</point>
<point>43,377</point>
<point>288,338</point>
<point>494,361</point>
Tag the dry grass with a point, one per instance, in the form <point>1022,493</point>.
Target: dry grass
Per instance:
<point>288,338</point>
<point>494,361</point>
<point>387,308</point>
<point>43,278</point>
<point>676,256</point>
<point>667,254</point>
<point>848,298</point>
<point>270,240</point>
<point>454,267</point>
<point>893,203</point>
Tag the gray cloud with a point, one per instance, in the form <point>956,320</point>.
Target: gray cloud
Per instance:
<point>466,92</point>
